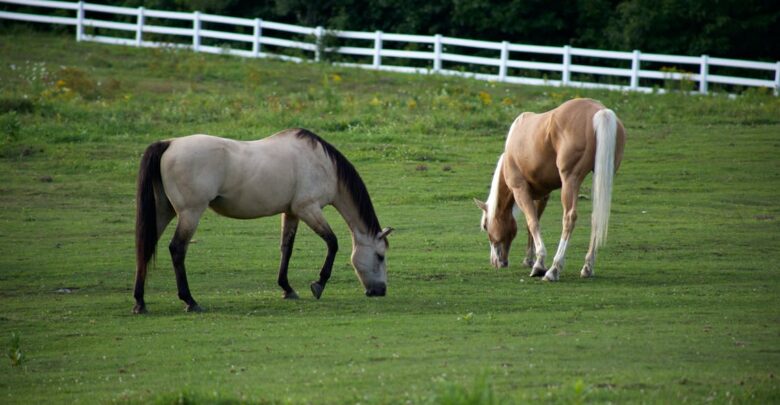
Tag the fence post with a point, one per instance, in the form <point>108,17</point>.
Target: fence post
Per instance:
<point>504,60</point>
<point>196,31</point>
<point>378,50</point>
<point>318,50</point>
<point>80,22</point>
<point>139,30</point>
<point>635,61</point>
<point>777,79</point>
<point>703,72</point>
<point>257,34</point>
<point>437,53</point>
<point>566,74</point>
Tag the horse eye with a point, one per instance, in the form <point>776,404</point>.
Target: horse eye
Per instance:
<point>380,257</point>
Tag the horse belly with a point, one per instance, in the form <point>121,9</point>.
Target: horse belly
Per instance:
<point>544,180</point>
<point>254,197</point>
<point>242,210</point>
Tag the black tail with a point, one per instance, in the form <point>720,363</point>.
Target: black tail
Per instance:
<point>146,206</point>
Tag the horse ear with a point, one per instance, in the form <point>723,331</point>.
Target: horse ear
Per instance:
<point>384,233</point>
<point>481,205</point>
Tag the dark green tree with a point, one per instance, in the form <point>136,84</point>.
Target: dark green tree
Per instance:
<point>746,29</point>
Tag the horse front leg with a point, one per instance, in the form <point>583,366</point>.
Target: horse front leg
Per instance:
<point>569,191</point>
<point>313,217</point>
<point>332,242</point>
<point>526,203</point>
<point>289,229</point>
<point>530,252</point>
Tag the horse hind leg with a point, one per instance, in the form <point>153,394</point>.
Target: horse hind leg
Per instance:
<point>185,229</point>
<point>590,260</point>
<point>289,229</point>
<point>164,213</point>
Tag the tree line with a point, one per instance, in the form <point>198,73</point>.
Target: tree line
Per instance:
<point>745,29</point>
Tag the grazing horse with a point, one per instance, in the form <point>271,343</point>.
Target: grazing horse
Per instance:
<point>294,172</point>
<point>545,152</point>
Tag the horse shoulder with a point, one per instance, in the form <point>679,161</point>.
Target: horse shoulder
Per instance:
<point>515,130</point>
<point>316,176</point>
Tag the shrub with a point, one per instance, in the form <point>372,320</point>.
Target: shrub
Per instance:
<point>9,126</point>
<point>16,104</point>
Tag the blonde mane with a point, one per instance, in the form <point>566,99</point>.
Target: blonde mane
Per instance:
<point>492,201</point>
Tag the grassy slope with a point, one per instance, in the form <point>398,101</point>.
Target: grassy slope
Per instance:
<point>684,306</point>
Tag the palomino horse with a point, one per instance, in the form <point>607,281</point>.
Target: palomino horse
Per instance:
<point>544,152</point>
<point>294,172</point>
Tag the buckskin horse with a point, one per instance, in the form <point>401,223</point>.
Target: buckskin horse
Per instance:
<point>294,172</point>
<point>545,152</point>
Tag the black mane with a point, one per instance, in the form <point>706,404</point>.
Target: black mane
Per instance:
<point>348,178</point>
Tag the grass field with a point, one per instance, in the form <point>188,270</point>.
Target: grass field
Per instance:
<point>685,305</point>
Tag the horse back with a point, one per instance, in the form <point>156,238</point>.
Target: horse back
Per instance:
<point>543,147</point>
<point>246,179</point>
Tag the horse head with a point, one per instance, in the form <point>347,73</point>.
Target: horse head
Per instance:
<point>368,259</point>
<point>501,231</point>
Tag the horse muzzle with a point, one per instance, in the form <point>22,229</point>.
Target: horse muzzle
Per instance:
<point>378,290</point>
<point>500,264</point>
<point>496,251</point>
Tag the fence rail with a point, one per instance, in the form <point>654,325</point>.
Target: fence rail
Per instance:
<point>483,60</point>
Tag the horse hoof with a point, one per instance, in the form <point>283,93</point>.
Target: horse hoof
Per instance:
<point>194,308</point>
<point>586,272</point>
<point>538,272</point>
<point>317,289</point>
<point>528,262</point>
<point>551,275</point>
<point>291,295</point>
<point>139,309</point>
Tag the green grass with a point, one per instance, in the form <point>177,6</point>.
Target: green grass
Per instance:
<point>684,307</point>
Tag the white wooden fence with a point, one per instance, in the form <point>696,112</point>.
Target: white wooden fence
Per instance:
<point>542,65</point>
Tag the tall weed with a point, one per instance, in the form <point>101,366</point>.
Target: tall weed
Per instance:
<point>15,353</point>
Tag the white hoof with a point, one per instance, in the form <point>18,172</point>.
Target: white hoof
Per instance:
<point>586,272</point>
<point>551,275</point>
<point>528,262</point>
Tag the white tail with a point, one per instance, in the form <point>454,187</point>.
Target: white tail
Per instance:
<point>605,124</point>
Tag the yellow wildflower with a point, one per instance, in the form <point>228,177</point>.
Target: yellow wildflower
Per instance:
<point>485,98</point>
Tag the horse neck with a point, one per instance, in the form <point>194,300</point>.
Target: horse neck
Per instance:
<point>505,203</point>
<point>345,205</point>
<point>500,201</point>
